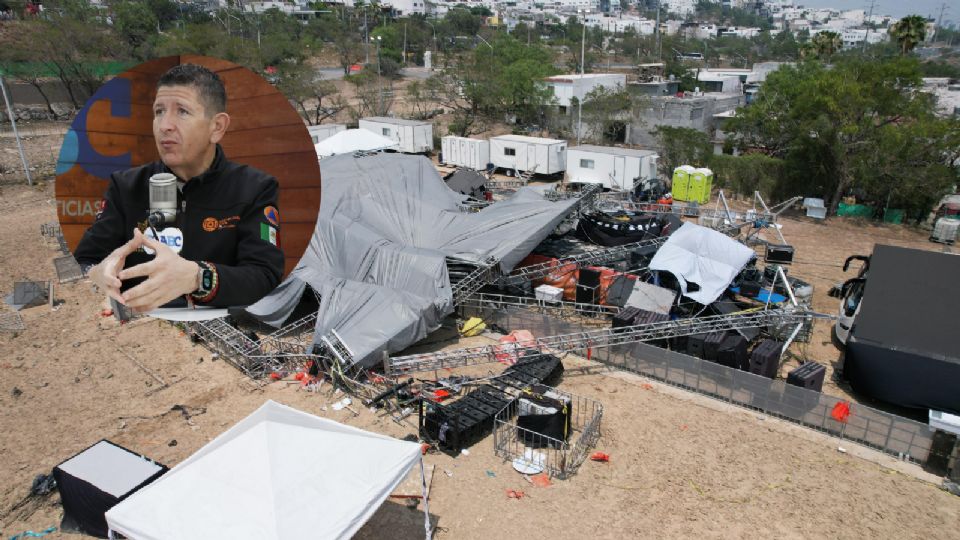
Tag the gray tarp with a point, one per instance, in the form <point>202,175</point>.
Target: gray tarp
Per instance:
<point>377,258</point>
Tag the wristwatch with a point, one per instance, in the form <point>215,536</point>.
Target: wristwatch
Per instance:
<point>207,281</point>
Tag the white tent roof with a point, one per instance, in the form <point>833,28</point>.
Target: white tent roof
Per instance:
<point>703,256</point>
<point>279,473</point>
<point>353,140</point>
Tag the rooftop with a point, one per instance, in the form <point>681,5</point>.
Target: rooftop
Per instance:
<point>612,150</point>
<point>395,121</point>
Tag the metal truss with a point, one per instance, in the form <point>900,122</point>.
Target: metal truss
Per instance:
<point>484,274</point>
<point>606,337</point>
<point>542,270</point>
<point>500,301</point>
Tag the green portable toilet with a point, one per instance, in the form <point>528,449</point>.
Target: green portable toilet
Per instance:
<point>681,182</point>
<point>701,181</point>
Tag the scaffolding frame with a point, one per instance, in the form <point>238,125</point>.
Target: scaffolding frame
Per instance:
<point>607,337</point>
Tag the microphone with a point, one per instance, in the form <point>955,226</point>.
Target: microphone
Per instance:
<point>163,200</point>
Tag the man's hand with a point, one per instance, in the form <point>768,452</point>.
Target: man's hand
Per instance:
<point>168,276</point>
<point>105,274</point>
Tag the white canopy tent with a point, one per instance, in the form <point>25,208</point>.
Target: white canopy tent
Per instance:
<point>696,254</point>
<point>353,140</point>
<point>279,473</point>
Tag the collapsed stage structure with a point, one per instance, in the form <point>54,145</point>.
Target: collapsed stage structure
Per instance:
<point>388,235</point>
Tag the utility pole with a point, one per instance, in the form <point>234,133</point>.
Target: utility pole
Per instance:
<point>404,43</point>
<point>943,7</point>
<point>657,31</point>
<point>379,85</point>
<point>583,42</point>
<point>866,36</point>
<point>16,134</point>
<point>366,35</point>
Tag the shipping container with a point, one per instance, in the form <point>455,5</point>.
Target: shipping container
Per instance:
<point>465,152</point>
<point>519,153</point>
<point>618,169</point>
<point>412,136</point>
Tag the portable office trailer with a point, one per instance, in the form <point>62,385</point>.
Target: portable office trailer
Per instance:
<point>465,152</point>
<point>528,154</point>
<point>323,131</point>
<point>412,136</point>
<point>618,169</point>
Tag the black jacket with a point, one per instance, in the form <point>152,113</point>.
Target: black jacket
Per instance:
<point>223,214</point>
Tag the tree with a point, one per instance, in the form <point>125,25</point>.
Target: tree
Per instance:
<point>316,100</point>
<point>134,22</point>
<point>682,146</point>
<point>823,45</point>
<point>908,32</point>
<point>837,127</point>
<point>606,111</point>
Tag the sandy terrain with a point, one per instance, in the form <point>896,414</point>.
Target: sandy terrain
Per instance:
<point>681,465</point>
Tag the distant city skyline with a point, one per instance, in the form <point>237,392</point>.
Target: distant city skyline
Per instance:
<point>896,8</point>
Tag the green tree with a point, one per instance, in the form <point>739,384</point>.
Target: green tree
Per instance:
<point>605,113</point>
<point>135,23</point>
<point>908,32</point>
<point>682,146</point>
<point>837,127</point>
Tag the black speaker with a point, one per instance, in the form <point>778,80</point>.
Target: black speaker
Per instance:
<point>625,317</point>
<point>587,294</point>
<point>695,344</point>
<point>711,345</point>
<point>779,254</point>
<point>733,352</point>
<point>809,375</point>
<point>765,358</point>
<point>588,277</point>
<point>750,289</point>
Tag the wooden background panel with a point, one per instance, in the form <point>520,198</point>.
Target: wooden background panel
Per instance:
<point>265,132</point>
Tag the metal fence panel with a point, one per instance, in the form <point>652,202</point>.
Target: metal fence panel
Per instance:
<point>878,429</point>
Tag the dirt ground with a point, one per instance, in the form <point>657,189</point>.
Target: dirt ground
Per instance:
<point>681,465</point>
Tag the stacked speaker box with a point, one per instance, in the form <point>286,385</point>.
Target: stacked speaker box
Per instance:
<point>809,375</point>
<point>711,345</point>
<point>733,352</point>
<point>695,344</point>
<point>97,479</point>
<point>588,286</point>
<point>651,317</point>
<point>765,358</point>
<point>588,277</point>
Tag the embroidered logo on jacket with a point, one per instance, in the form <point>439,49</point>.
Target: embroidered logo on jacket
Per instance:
<point>272,215</point>
<point>211,224</point>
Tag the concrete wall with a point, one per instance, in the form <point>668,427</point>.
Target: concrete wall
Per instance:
<point>696,113</point>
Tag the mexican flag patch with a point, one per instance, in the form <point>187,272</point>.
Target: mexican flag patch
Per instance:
<point>268,233</point>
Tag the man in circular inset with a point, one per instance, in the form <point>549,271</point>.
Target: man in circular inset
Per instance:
<point>216,243</point>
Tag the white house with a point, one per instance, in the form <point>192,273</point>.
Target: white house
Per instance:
<point>567,87</point>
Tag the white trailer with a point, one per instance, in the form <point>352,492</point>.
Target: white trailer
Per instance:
<point>618,169</point>
<point>465,152</point>
<point>323,131</point>
<point>519,153</point>
<point>412,136</point>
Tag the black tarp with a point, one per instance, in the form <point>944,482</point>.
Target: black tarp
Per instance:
<point>617,229</point>
<point>904,347</point>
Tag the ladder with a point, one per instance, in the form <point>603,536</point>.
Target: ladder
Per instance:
<point>606,337</point>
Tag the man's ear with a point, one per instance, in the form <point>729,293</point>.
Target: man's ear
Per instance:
<point>221,121</point>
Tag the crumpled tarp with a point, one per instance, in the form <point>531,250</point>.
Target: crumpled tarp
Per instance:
<point>377,258</point>
<point>703,256</point>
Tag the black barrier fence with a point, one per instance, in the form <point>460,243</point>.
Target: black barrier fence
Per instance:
<point>901,437</point>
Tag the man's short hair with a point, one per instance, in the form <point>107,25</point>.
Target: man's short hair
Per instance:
<point>208,85</point>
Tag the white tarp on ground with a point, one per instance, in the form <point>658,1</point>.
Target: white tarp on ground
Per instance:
<point>353,140</point>
<point>278,473</point>
<point>378,256</point>
<point>695,254</point>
